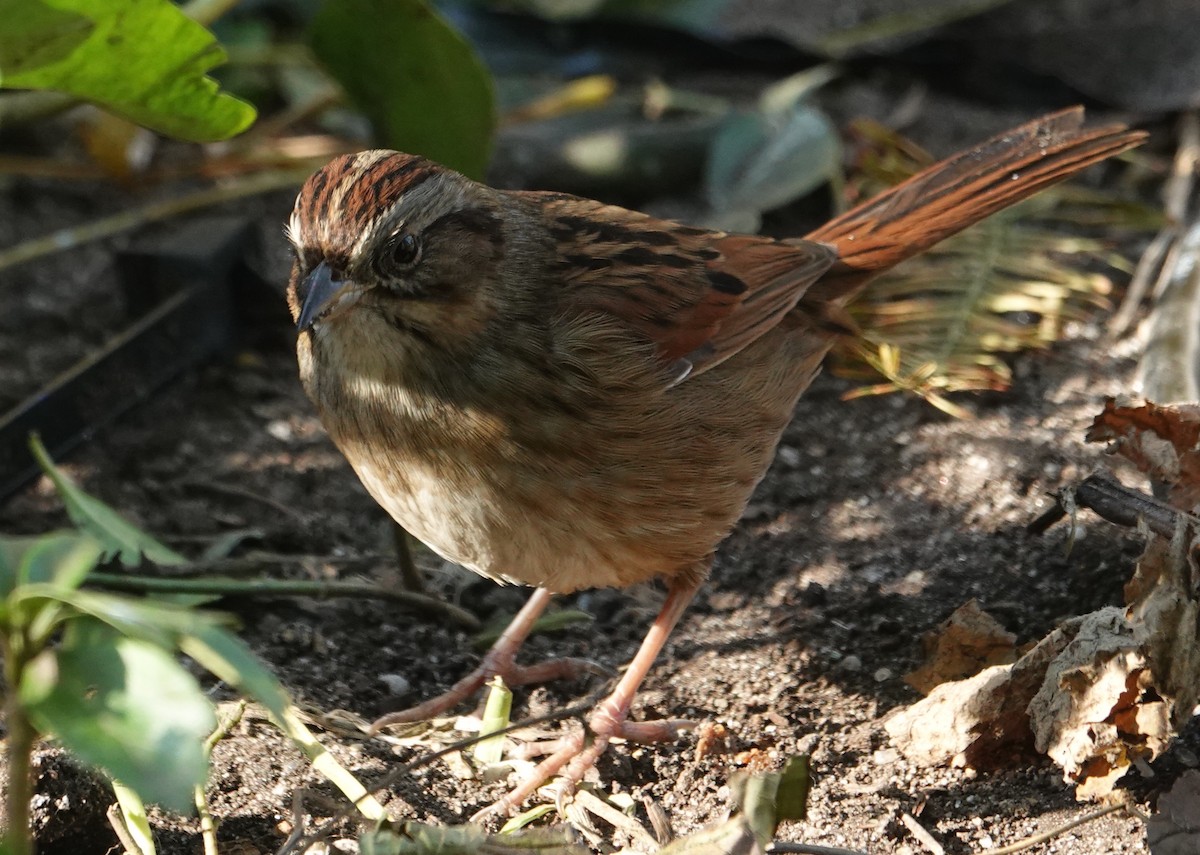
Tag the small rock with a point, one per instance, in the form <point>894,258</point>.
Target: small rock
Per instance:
<point>851,663</point>
<point>885,757</point>
<point>788,456</point>
<point>396,684</point>
<point>883,675</point>
<point>814,594</point>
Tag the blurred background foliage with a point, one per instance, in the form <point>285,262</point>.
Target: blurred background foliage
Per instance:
<point>713,111</point>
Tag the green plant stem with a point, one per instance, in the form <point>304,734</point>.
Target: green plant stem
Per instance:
<point>282,588</point>
<point>19,748</point>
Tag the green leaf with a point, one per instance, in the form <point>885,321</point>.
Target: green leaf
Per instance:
<point>523,819</point>
<point>417,80</point>
<point>12,549</point>
<point>229,659</point>
<point>156,623</point>
<point>119,537</point>
<point>142,59</point>
<point>791,799</point>
<point>37,34</point>
<point>766,799</point>
<point>61,559</point>
<point>761,161</point>
<point>125,705</point>
<point>58,561</point>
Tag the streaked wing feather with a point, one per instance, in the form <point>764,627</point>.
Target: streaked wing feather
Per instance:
<point>700,296</point>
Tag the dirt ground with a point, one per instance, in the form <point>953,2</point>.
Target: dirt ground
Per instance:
<point>879,517</point>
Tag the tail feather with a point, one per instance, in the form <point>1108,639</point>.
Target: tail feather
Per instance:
<point>956,193</point>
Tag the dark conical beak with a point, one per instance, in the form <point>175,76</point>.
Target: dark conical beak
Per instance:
<point>319,288</point>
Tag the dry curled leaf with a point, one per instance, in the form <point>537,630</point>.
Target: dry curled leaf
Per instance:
<point>1162,441</point>
<point>1096,694</point>
<point>979,722</point>
<point>963,645</point>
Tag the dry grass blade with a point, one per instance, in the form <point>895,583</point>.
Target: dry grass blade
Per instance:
<point>944,321</point>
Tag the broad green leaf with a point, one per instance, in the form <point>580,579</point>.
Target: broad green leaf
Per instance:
<point>228,658</point>
<point>142,59</point>
<point>417,80</point>
<point>120,538</point>
<point>61,559</point>
<point>766,799</point>
<point>126,706</point>
<point>38,34</point>
<point>11,551</point>
<point>383,841</point>
<point>761,160</point>
<point>154,622</point>
<point>791,799</point>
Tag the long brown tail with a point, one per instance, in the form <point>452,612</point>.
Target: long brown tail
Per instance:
<point>958,192</point>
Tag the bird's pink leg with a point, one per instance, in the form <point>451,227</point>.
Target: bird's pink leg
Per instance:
<point>575,754</point>
<point>498,660</point>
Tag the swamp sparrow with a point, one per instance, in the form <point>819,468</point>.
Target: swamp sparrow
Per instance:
<point>567,394</point>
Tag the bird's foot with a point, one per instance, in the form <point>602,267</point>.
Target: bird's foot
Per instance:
<point>571,757</point>
<point>512,675</point>
<point>498,661</point>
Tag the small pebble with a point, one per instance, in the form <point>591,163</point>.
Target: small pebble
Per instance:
<point>396,684</point>
<point>885,757</point>
<point>883,675</point>
<point>851,663</point>
<point>280,430</point>
<point>788,456</point>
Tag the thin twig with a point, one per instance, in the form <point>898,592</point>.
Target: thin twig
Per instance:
<point>283,588</point>
<point>616,818</point>
<point>812,849</point>
<point>399,772</point>
<point>123,836</point>
<point>921,834</point>
<point>19,741</point>
<point>1042,837</point>
<point>243,493</point>
<point>69,238</point>
<point>208,826</point>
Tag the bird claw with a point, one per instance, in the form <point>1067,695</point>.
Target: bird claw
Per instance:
<point>571,757</point>
<point>564,668</point>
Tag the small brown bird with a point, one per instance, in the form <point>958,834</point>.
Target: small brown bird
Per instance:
<point>566,394</point>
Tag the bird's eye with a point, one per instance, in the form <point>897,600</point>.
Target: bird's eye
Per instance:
<point>403,249</point>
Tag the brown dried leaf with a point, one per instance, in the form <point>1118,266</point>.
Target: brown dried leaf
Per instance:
<point>1130,678</point>
<point>1162,441</point>
<point>966,643</point>
<point>979,722</point>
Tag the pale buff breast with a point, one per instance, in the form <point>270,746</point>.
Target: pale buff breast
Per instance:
<point>646,489</point>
